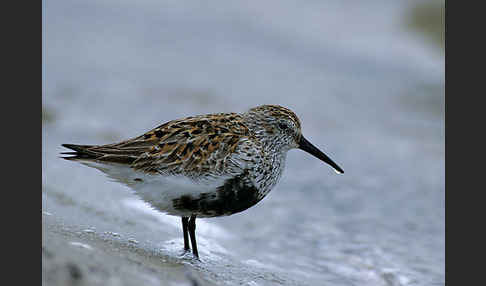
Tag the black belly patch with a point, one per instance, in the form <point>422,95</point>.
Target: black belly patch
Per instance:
<point>233,197</point>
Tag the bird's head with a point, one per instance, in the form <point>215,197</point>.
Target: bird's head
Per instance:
<point>279,128</point>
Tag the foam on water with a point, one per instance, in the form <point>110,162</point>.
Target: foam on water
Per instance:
<point>82,245</point>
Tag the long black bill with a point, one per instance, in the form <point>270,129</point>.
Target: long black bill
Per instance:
<point>311,149</point>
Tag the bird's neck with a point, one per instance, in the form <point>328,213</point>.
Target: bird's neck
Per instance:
<point>267,174</point>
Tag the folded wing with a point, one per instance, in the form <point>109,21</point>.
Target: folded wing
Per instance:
<point>185,146</point>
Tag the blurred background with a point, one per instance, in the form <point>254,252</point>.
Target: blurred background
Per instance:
<point>366,79</point>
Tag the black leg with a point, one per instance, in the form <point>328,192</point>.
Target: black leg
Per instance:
<point>185,221</point>
<point>192,233</point>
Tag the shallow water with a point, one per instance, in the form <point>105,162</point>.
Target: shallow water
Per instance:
<point>368,91</point>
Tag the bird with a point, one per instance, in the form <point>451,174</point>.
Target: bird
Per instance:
<point>203,166</point>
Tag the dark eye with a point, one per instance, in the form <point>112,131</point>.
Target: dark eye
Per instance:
<point>283,126</point>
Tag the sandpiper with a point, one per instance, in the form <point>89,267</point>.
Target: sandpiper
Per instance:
<point>206,165</point>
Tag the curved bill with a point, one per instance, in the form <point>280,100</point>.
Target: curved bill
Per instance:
<point>311,149</point>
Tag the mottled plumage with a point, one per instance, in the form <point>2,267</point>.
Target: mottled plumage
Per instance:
<point>206,165</point>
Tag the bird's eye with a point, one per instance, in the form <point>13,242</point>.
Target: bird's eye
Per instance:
<point>283,126</point>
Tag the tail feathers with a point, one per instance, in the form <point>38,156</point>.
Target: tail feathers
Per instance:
<point>98,153</point>
<point>82,152</point>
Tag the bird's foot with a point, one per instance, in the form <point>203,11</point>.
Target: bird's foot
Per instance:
<point>186,252</point>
